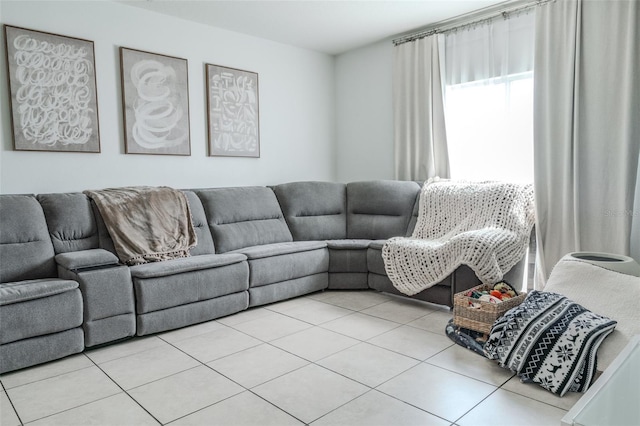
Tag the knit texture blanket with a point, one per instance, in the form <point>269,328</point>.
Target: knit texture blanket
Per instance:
<point>146,224</point>
<point>484,225</point>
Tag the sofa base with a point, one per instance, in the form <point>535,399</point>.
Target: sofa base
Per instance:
<point>287,289</point>
<point>440,294</point>
<point>40,349</point>
<point>109,329</point>
<point>348,280</point>
<point>192,313</point>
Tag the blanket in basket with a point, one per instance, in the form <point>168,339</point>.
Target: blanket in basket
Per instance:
<point>146,224</point>
<point>549,340</point>
<point>484,225</point>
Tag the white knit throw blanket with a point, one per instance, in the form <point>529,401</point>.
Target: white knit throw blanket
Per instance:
<point>484,225</point>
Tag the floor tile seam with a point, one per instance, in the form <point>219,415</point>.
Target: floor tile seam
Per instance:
<point>82,405</point>
<point>357,338</point>
<point>467,375</point>
<point>423,329</point>
<point>534,399</point>
<point>410,404</point>
<point>159,336</point>
<point>386,319</point>
<point>365,384</point>
<point>313,323</point>
<point>47,378</point>
<point>124,341</point>
<point>278,407</point>
<point>462,375</point>
<point>341,405</point>
<point>331,354</point>
<point>476,405</point>
<point>266,381</point>
<point>394,351</point>
<point>260,341</point>
<point>296,355</point>
<point>13,407</point>
<point>125,391</point>
<point>208,405</point>
<point>355,310</point>
<point>439,352</point>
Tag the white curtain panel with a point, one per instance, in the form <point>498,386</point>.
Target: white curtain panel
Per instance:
<point>489,98</point>
<point>495,48</point>
<point>635,221</point>
<point>419,130</point>
<point>586,127</point>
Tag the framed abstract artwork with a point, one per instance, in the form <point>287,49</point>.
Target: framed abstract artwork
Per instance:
<point>155,103</point>
<point>53,96</point>
<point>233,124</point>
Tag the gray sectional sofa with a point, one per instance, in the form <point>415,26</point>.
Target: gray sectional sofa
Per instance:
<point>62,288</point>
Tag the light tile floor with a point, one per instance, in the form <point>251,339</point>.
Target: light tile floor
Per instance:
<point>329,358</point>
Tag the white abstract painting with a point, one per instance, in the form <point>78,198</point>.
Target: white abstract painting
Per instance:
<point>155,103</point>
<point>233,114</point>
<point>53,91</point>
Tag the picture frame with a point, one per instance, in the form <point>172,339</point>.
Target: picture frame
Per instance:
<point>155,103</point>
<point>233,113</point>
<point>53,95</point>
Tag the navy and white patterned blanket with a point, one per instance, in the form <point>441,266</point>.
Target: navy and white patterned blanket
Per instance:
<point>549,340</point>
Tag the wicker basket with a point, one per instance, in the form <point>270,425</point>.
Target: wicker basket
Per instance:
<point>480,319</point>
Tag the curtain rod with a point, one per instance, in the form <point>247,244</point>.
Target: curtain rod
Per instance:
<point>472,18</point>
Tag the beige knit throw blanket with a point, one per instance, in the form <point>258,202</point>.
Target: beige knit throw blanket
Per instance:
<point>146,224</point>
<point>484,225</point>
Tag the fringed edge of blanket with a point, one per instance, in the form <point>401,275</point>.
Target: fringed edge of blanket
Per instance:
<point>158,257</point>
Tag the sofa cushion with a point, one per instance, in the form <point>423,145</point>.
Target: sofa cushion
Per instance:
<point>158,292</point>
<point>25,246</point>
<point>380,209</point>
<point>314,210</point>
<point>205,241</point>
<point>243,217</point>
<point>279,249</point>
<point>185,264</point>
<point>414,217</point>
<point>348,256</point>
<point>71,222</point>
<point>275,263</point>
<point>375,262</point>
<point>40,316</point>
<point>22,291</point>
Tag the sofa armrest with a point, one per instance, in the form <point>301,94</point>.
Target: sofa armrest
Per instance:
<point>84,259</point>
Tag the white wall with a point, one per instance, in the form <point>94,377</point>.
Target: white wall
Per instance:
<point>364,113</point>
<point>296,93</point>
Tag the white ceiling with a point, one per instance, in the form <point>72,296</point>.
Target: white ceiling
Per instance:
<point>328,26</point>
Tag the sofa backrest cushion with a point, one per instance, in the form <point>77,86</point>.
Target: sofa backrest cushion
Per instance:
<point>26,251</point>
<point>314,210</point>
<point>380,209</point>
<point>243,217</point>
<point>414,217</point>
<point>205,242</point>
<point>71,223</point>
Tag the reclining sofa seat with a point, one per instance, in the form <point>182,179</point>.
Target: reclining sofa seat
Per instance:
<point>249,221</point>
<point>185,291</point>
<point>41,314</point>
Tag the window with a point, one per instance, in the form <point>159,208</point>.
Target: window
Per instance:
<point>490,128</point>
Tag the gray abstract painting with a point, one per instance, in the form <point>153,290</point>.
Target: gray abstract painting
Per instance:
<point>155,103</point>
<point>233,113</point>
<point>53,98</point>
